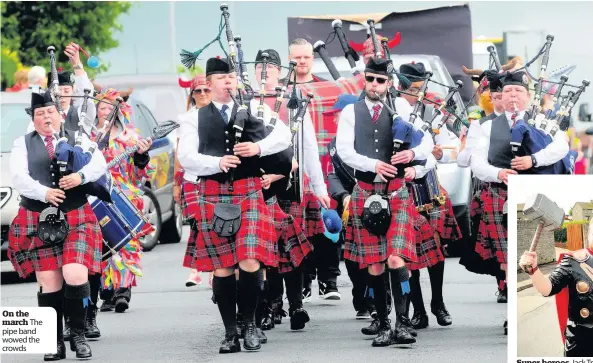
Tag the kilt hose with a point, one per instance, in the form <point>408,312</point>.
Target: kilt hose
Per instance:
<point>366,248</point>
<point>492,231</point>
<point>293,245</point>
<point>256,238</point>
<point>83,244</point>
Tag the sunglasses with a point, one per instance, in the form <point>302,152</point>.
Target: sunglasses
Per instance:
<point>205,90</point>
<point>380,80</point>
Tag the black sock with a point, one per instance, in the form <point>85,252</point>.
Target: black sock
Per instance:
<point>415,293</point>
<point>95,282</point>
<point>400,288</point>
<point>54,300</point>
<point>261,304</point>
<point>437,273</point>
<point>76,302</point>
<point>377,283</point>
<point>249,287</point>
<point>294,288</point>
<point>388,295</point>
<point>225,291</point>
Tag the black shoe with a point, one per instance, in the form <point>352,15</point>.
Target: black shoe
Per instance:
<point>260,334</point>
<point>328,291</point>
<point>67,332</point>
<point>419,320</point>
<point>278,315</point>
<point>501,296</point>
<point>267,322</point>
<point>372,329</point>
<point>442,315</point>
<point>363,314</point>
<point>384,338</point>
<point>407,324</point>
<point>91,330</point>
<point>251,340</point>
<point>401,334</point>
<point>121,304</point>
<point>505,327</point>
<point>107,305</point>
<point>60,354</point>
<point>298,318</point>
<point>79,345</point>
<point>230,344</point>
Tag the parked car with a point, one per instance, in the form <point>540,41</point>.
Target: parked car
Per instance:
<point>160,207</point>
<point>456,181</point>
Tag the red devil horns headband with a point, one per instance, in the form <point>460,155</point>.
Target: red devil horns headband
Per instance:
<point>359,47</point>
<point>184,84</point>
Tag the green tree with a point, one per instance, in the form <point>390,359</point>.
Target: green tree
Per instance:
<point>30,27</point>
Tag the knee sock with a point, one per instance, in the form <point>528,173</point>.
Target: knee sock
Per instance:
<point>416,293</point>
<point>437,273</point>
<point>294,288</point>
<point>249,287</point>
<point>76,302</point>
<point>377,283</point>
<point>95,282</point>
<point>400,288</point>
<point>225,291</point>
<point>54,300</point>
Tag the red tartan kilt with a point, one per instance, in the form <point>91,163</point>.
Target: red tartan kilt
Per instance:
<point>367,248</point>
<point>293,245</point>
<point>444,222</point>
<point>254,240</point>
<point>189,199</point>
<point>428,246</point>
<point>492,233</point>
<point>307,215</point>
<point>83,245</point>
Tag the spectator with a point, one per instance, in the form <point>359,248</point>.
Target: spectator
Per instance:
<point>37,78</point>
<point>21,81</point>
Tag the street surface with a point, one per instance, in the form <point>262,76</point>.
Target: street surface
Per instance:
<point>168,322</point>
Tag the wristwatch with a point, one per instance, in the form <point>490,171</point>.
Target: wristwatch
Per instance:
<point>82,177</point>
<point>533,161</point>
<point>78,66</point>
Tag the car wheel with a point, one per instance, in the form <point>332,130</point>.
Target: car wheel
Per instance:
<point>152,212</point>
<point>172,228</point>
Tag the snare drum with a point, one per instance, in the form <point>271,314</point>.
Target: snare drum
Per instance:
<point>426,192</point>
<point>120,221</point>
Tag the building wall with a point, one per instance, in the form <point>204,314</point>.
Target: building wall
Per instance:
<point>546,251</point>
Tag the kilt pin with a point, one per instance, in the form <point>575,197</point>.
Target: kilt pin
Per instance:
<point>206,251</point>
<point>293,245</point>
<point>366,248</point>
<point>492,230</point>
<point>83,244</point>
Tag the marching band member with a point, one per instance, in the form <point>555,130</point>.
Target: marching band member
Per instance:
<point>443,225</point>
<point>293,245</point>
<point>199,96</point>
<point>364,141</point>
<point>492,162</point>
<point>119,272</point>
<point>572,284</point>
<point>204,154</point>
<point>301,51</point>
<point>70,84</point>
<point>68,259</point>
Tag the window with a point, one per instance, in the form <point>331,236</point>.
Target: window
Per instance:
<point>140,121</point>
<point>14,124</point>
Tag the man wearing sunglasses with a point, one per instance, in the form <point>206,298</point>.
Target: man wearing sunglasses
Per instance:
<point>364,141</point>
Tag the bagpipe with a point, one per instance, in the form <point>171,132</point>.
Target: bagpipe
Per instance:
<point>526,137</point>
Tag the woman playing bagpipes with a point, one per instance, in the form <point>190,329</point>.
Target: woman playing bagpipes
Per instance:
<point>120,271</point>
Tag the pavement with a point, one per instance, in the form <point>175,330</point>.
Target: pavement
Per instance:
<point>168,322</point>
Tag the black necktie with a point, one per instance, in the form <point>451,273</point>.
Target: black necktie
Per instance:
<point>223,113</point>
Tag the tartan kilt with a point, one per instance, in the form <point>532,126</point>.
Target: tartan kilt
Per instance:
<point>428,244</point>
<point>492,233</point>
<point>444,222</point>
<point>83,245</point>
<point>307,215</point>
<point>254,240</point>
<point>367,248</point>
<point>188,200</point>
<point>293,245</point>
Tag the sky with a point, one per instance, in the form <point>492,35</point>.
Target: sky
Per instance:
<point>564,190</point>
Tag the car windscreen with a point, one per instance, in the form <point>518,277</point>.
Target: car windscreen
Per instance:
<point>14,124</point>
<point>166,102</point>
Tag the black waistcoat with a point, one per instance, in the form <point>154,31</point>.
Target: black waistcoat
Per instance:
<point>372,139</point>
<point>46,172</point>
<point>216,138</point>
<point>500,153</point>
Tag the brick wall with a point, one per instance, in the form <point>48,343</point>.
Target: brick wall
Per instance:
<point>546,252</point>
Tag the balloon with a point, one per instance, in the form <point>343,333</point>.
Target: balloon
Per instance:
<point>93,62</point>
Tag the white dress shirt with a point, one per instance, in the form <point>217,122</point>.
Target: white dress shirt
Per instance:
<point>553,153</point>
<point>197,165</point>
<point>80,83</point>
<point>311,155</point>
<point>345,136</point>
<point>472,140</point>
<point>30,188</point>
<point>422,170</point>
